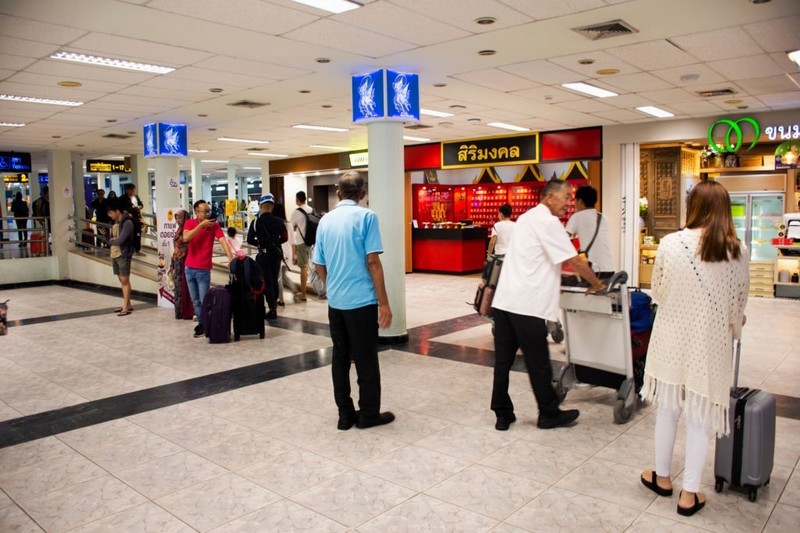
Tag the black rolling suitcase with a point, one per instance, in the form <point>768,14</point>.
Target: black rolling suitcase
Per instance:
<point>744,458</point>
<point>217,315</point>
<point>247,292</point>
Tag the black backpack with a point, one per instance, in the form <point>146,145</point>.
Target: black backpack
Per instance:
<point>312,223</point>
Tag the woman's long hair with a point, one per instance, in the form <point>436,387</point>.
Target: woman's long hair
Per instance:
<point>709,208</point>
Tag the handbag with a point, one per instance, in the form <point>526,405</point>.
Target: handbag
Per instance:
<point>596,231</point>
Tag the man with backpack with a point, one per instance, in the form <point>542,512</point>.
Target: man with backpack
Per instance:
<point>304,222</point>
<point>268,232</point>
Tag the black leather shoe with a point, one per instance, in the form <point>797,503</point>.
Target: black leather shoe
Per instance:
<point>558,419</point>
<point>272,314</point>
<point>380,420</point>
<point>504,421</point>
<point>347,421</point>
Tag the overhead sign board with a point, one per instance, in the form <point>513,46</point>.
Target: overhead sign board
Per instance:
<point>162,139</point>
<point>368,96</point>
<point>402,95</point>
<point>15,162</point>
<point>359,159</point>
<point>106,165</point>
<point>491,151</point>
<point>385,95</point>
<point>15,178</point>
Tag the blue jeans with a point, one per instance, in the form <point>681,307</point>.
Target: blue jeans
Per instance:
<point>199,282</point>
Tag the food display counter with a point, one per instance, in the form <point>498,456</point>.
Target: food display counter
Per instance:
<point>450,250</point>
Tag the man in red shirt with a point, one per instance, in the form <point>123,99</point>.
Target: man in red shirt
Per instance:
<point>200,233</point>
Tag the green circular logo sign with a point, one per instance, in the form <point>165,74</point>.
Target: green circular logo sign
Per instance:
<point>733,131</point>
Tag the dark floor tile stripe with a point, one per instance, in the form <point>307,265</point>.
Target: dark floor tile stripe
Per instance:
<point>71,316</point>
<point>787,406</point>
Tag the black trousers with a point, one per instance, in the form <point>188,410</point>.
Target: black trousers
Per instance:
<point>355,335</point>
<point>270,267</point>
<point>511,332</point>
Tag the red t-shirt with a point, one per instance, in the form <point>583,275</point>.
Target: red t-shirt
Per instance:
<point>201,246</point>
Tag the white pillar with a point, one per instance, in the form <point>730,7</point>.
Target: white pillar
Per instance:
<point>205,187</point>
<point>241,194</point>
<point>629,211</point>
<point>79,187</point>
<point>141,178</point>
<point>59,169</point>
<point>185,195</point>
<point>167,182</point>
<point>232,182</point>
<point>387,199</point>
<point>197,181</point>
<point>265,177</point>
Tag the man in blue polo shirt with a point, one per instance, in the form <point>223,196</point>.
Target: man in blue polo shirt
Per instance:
<point>347,258</point>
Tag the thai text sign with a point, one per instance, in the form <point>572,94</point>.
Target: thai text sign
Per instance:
<point>491,151</point>
<point>106,165</point>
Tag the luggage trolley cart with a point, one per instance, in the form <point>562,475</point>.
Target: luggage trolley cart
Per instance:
<point>598,343</point>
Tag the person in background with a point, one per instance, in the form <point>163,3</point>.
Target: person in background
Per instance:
<point>300,250</point>
<point>184,308</point>
<point>501,231</point>
<point>136,213</point>
<point>121,243</point>
<point>200,233</point>
<point>41,207</point>
<point>527,297</point>
<point>19,208</point>
<point>700,282</point>
<point>347,258</point>
<point>99,207</point>
<point>283,279</point>
<point>234,240</point>
<point>584,225</point>
<point>268,232</point>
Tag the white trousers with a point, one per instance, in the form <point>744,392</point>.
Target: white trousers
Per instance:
<point>697,437</point>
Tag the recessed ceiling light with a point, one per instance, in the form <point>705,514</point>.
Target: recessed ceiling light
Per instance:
<point>655,111</point>
<point>483,21</point>
<point>304,91</point>
<point>759,1</point>
<point>415,139</point>
<point>267,155</point>
<point>322,60</point>
<point>35,100</point>
<point>434,113</point>
<point>608,71</point>
<point>473,120</point>
<point>202,115</point>
<point>440,85</point>
<point>56,136</point>
<point>328,147</point>
<point>690,77</point>
<point>109,62</point>
<point>589,89</point>
<point>445,124</point>
<point>11,124</point>
<point>507,126</point>
<point>332,6</point>
<point>742,107</point>
<point>69,84</point>
<point>132,133</point>
<point>586,61</point>
<point>326,106</point>
<point>732,102</point>
<point>212,129</point>
<point>319,128</point>
<point>197,151</point>
<point>235,140</point>
<point>80,145</point>
<point>487,52</point>
<point>215,90</point>
<point>111,120</point>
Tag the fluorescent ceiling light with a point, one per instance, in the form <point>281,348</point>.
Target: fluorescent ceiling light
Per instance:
<point>212,161</point>
<point>320,128</point>
<point>334,6</point>
<point>589,89</point>
<point>11,124</point>
<point>251,168</point>
<point>267,155</point>
<point>234,140</point>
<point>505,126</point>
<point>794,56</point>
<point>34,100</point>
<point>415,139</point>
<point>328,147</point>
<point>197,151</point>
<point>108,62</point>
<point>655,111</point>
<point>432,113</point>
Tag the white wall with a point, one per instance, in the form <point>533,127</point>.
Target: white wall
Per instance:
<point>28,270</point>
<point>90,271</point>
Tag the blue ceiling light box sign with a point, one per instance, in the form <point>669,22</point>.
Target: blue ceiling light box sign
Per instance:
<point>368,97</point>
<point>162,139</point>
<point>402,90</point>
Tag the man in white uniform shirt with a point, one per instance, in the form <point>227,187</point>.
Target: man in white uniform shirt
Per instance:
<point>501,231</point>
<point>584,224</point>
<point>301,250</point>
<point>527,296</point>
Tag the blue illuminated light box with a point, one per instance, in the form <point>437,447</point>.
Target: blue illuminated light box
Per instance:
<point>162,139</point>
<point>402,95</point>
<point>368,97</point>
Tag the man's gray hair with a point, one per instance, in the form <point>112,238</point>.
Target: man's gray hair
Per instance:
<point>351,185</point>
<point>553,186</point>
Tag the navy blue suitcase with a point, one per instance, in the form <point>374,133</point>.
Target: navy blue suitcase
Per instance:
<point>217,315</point>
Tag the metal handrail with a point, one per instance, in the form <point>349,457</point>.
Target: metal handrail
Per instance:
<point>40,225</point>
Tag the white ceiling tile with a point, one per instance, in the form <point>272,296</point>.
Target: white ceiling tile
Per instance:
<point>185,97</point>
<point>700,107</point>
<point>787,99</point>
<point>214,78</point>
<point>154,105</point>
<point>21,28</point>
<point>390,20</point>
<point>620,115</point>
<point>714,45</point>
<point>544,72</point>
<point>602,60</point>
<point>748,104</point>
<point>248,14</point>
<point>587,105</point>
<point>627,101</point>
<point>550,95</point>
<point>545,9</point>
<point>759,66</point>
<point>119,47</point>
<point>6,73</point>
<point>497,79</point>
<point>251,68</point>
<point>772,84</point>
<point>777,35</point>
<point>334,34</point>
<point>652,55</point>
<point>462,13</point>
<point>25,48</point>
<point>40,91</point>
<point>65,70</point>
<point>669,96</point>
<point>704,75</point>
<point>635,83</point>
<point>52,81</point>
<point>15,62</point>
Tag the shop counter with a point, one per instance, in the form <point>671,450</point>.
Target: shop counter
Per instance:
<point>457,251</point>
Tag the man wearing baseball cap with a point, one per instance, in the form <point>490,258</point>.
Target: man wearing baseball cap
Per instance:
<point>268,232</point>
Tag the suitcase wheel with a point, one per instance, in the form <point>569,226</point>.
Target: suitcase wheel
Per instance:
<point>236,336</point>
<point>622,413</point>
<point>719,484</point>
<point>752,494</point>
<point>561,391</point>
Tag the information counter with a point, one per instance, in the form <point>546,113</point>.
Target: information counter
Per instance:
<point>454,251</point>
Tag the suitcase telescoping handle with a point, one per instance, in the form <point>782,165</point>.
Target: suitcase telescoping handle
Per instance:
<point>737,354</point>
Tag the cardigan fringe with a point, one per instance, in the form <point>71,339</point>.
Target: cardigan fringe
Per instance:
<point>698,407</point>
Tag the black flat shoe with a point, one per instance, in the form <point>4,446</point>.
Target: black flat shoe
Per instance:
<point>504,422</point>
<point>380,420</point>
<point>689,511</point>
<point>652,484</point>
<point>347,421</point>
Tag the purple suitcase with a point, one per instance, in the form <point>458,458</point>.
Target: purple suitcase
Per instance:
<point>217,315</point>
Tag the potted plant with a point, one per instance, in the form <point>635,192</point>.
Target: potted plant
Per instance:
<point>643,205</point>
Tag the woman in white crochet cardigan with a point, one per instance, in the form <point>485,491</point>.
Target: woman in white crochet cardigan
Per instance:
<point>700,282</point>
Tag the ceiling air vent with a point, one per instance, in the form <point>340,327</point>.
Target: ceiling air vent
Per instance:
<point>716,92</point>
<point>418,127</point>
<point>604,30</point>
<point>249,104</point>
<point>116,136</point>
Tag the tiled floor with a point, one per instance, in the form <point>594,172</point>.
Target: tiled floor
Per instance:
<point>267,456</point>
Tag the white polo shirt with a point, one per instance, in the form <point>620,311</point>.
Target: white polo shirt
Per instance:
<point>583,224</point>
<point>530,282</point>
